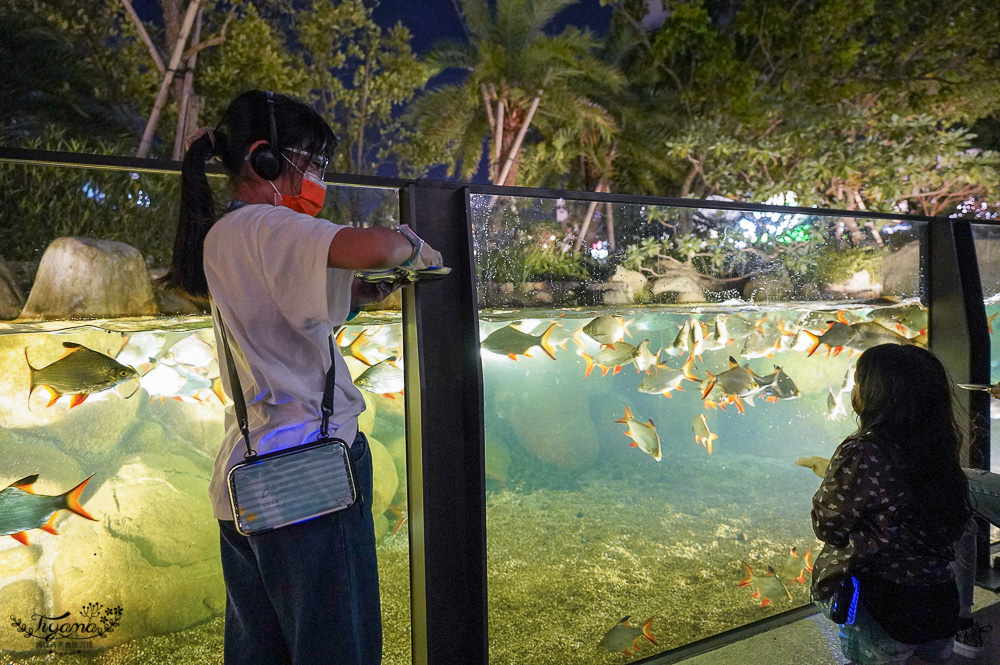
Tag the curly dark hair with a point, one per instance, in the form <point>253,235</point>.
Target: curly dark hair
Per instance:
<point>906,399</point>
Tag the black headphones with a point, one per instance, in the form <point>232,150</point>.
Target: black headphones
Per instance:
<point>265,159</point>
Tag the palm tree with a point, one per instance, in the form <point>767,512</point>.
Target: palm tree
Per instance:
<point>44,82</point>
<point>519,78</point>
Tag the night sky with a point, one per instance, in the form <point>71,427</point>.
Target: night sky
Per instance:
<point>431,20</point>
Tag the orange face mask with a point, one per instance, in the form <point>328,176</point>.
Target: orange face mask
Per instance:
<point>310,200</point>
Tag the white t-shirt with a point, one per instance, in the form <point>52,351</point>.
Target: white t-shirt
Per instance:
<point>266,268</point>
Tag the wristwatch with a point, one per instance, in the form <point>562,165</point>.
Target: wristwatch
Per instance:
<point>415,240</point>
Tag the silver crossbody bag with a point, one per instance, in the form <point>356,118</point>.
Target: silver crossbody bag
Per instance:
<point>291,485</point>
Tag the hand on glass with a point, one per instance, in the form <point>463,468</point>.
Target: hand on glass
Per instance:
<point>429,257</point>
<point>366,293</point>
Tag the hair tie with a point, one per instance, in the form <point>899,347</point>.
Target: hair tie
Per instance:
<point>198,133</point>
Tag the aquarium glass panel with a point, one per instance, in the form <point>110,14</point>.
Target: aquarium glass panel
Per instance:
<point>142,580</point>
<point>661,398</point>
<point>987,239</point>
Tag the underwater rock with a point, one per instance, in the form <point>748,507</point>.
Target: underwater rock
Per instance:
<point>160,504</point>
<point>87,278</point>
<point>198,424</point>
<point>382,527</point>
<point>93,427</point>
<point>17,558</point>
<point>20,600</point>
<point>384,478</point>
<point>24,455</point>
<point>557,430</point>
<point>771,286</point>
<point>11,298</point>
<point>685,287</point>
<point>397,450</point>
<point>901,271</point>
<point>145,436</point>
<point>154,549</point>
<point>366,421</point>
<point>92,565</point>
<point>497,460</point>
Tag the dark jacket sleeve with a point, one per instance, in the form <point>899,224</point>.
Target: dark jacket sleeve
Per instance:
<point>844,494</point>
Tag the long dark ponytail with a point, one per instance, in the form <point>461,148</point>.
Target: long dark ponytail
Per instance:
<point>245,121</point>
<point>907,401</point>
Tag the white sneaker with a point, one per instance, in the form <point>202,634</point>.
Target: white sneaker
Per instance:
<point>969,641</point>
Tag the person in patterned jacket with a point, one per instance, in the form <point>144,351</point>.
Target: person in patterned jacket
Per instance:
<point>892,504</point>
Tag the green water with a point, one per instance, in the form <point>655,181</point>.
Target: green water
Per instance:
<point>153,550</point>
<point>582,528</point>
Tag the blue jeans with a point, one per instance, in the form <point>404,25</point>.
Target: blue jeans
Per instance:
<point>984,494</point>
<point>307,593</point>
<point>865,642</point>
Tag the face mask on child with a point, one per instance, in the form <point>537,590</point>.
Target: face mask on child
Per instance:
<point>310,200</point>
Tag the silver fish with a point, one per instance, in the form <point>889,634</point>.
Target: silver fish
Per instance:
<point>22,510</point>
<point>384,378</point>
<point>624,636</point>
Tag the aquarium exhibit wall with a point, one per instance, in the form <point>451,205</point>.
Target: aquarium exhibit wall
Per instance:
<point>656,423</point>
<point>583,450</point>
<point>147,563</point>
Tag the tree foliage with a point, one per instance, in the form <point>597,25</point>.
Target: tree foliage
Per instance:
<point>857,104</point>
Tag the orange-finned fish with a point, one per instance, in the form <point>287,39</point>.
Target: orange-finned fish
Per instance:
<point>766,587</point>
<point>22,510</point>
<point>80,372</point>
<point>644,437</point>
<point>701,434</point>
<point>624,637</point>
<point>353,349</point>
<point>665,379</point>
<point>605,329</point>
<point>836,337</point>
<point>737,383</point>
<point>511,342</point>
<point>795,568</point>
<point>384,378</point>
<point>616,356</point>
<point>777,386</point>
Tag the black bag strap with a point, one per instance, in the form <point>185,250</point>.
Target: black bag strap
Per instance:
<point>326,406</point>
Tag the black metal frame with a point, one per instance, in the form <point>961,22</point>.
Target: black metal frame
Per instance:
<point>444,396</point>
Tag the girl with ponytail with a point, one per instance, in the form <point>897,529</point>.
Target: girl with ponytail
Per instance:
<point>280,281</point>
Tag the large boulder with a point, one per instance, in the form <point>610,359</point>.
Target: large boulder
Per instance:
<point>557,430</point>
<point>200,425</point>
<point>20,600</point>
<point>679,288</point>
<point>25,454</point>
<point>86,278</point>
<point>11,298</point>
<point>154,550</point>
<point>385,480</point>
